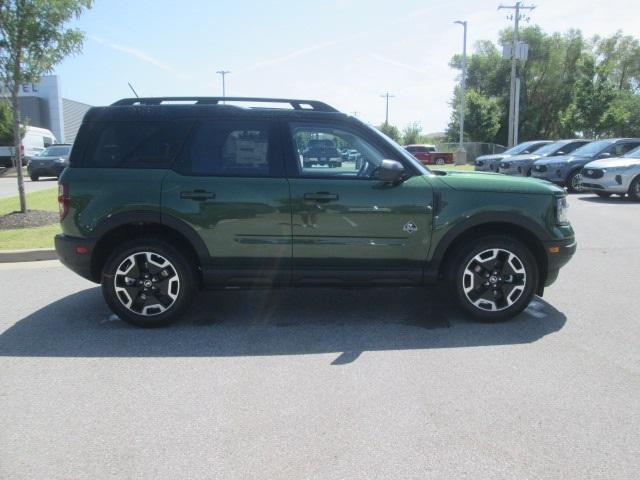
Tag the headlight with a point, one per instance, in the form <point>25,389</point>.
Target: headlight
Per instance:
<point>561,211</point>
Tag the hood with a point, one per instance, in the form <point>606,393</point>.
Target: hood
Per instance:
<point>495,182</point>
<point>52,157</point>
<point>490,157</point>
<point>613,162</point>
<point>528,158</point>
<point>560,159</point>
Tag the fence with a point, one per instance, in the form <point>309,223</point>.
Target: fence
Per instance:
<point>474,149</point>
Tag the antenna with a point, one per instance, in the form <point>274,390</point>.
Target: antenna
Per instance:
<point>133,90</point>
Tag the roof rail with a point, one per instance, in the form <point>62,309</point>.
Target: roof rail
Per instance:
<point>295,103</point>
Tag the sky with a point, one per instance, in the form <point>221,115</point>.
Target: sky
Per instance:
<point>344,52</point>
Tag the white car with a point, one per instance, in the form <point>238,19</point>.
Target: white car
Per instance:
<point>620,175</point>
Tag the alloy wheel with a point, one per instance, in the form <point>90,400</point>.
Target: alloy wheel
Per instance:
<point>146,283</point>
<point>494,279</point>
<point>576,182</point>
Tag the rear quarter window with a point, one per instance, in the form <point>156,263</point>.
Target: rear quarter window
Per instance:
<point>132,144</point>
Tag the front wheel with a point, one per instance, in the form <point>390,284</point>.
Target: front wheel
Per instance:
<point>574,182</point>
<point>493,278</point>
<point>634,189</point>
<point>34,178</point>
<point>148,282</point>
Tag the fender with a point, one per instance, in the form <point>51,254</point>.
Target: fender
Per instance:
<point>133,217</point>
<point>433,266</point>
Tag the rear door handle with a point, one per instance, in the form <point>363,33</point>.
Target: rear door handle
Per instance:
<point>321,196</point>
<point>197,195</point>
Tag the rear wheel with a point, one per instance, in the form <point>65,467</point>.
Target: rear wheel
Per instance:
<point>34,178</point>
<point>440,161</point>
<point>574,182</point>
<point>493,278</point>
<point>148,282</point>
<point>634,189</point>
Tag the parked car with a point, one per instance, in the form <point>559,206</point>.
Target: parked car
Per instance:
<point>50,162</point>
<point>491,163</point>
<point>35,140</point>
<point>428,155</point>
<point>522,164</point>
<point>321,152</point>
<point>160,199</point>
<point>566,170</point>
<point>614,175</point>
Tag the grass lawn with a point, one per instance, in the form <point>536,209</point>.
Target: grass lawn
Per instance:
<point>38,237</point>
<point>462,168</point>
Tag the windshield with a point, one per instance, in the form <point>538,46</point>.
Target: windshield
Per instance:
<point>592,148</point>
<point>550,148</point>
<point>520,148</point>
<point>633,153</point>
<point>59,151</point>
<point>406,155</point>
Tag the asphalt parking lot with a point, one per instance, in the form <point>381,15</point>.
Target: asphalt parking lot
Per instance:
<point>330,384</point>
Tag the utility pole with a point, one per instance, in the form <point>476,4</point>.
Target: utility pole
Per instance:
<point>464,80</point>
<point>512,90</point>
<point>223,73</point>
<point>387,96</point>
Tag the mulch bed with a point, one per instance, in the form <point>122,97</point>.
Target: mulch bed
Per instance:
<point>33,218</point>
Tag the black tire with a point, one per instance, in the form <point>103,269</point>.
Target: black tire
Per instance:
<point>174,300</point>
<point>515,281</point>
<point>574,181</point>
<point>34,178</point>
<point>603,194</point>
<point>634,189</point>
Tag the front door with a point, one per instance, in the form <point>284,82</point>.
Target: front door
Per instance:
<point>347,226</point>
<point>228,186</point>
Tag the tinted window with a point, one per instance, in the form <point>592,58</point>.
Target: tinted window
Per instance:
<point>134,145</point>
<point>622,148</point>
<point>55,151</point>
<point>236,149</point>
<point>593,148</point>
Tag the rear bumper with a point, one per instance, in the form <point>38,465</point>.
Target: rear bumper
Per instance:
<point>67,250</point>
<point>564,250</point>
<point>45,170</point>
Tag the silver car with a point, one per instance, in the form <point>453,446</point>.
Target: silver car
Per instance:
<point>521,165</point>
<point>490,163</point>
<point>619,175</point>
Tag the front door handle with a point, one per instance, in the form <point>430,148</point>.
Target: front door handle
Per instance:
<point>197,195</point>
<point>321,196</point>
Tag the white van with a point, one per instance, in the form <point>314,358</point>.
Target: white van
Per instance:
<point>35,140</point>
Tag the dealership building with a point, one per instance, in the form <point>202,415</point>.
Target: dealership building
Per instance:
<point>42,105</point>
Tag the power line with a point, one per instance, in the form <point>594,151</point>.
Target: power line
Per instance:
<point>387,96</point>
<point>513,127</point>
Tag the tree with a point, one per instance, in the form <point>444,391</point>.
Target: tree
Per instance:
<point>33,39</point>
<point>390,131</point>
<point>412,134</point>
<point>6,123</point>
<point>483,115</point>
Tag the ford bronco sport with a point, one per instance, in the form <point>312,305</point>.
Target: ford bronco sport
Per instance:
<point>164,196</point>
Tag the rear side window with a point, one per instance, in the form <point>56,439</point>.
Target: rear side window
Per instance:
<point>134,144</point>
<point>241,149</point>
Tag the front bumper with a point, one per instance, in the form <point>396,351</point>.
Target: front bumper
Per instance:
<point>550,172</point>
<point>558,255</point>
<point>517,169</point>
<point>486,166</point>
<point>611,181</point>
<point>68,249</point>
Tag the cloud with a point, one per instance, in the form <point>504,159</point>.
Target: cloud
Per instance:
<point>140,55</point>
<point>395,63</point>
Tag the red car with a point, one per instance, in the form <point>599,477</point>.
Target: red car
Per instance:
<point>428,155</point>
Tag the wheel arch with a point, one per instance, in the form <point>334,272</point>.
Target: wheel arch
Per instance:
<point>127,227</point>
<point>527,233</point>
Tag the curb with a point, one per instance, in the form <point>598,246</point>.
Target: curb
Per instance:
<point>10,256</point>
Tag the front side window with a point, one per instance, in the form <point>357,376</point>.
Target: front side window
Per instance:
<point>328,151</point>
<point>223,149</point>
<point>622,148</point>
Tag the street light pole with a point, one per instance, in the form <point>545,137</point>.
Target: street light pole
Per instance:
<point>512,89</point>
<point>223,73</point>
<point>387,96</point>
<point>464,81</point>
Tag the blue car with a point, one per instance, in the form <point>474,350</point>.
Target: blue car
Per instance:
<point>491,163</point>
<point>565,170</point>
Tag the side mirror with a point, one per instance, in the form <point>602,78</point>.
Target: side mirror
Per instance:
<point>389,171</point>
<point>604,155</point>
<point>560,152</point>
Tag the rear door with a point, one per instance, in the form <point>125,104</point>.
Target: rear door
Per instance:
<point>347,226</point>
<point>228,186</point>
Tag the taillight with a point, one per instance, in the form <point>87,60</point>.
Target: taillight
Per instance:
<point>63,199</point>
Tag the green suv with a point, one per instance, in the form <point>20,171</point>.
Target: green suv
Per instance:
<point>165,196</point>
